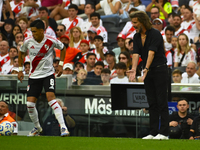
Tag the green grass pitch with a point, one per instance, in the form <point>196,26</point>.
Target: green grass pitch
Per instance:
<point>93,143</point>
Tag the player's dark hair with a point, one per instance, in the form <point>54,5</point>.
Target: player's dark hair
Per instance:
<point>170,28</point>
<point>98,37</point>
<point>90,54</point>
<point>39,24</point>
<point>43,8</point>
<point>94,14</point>
<point>73,6</point>
<point>63,26</point>
<point>99,63</point>
<point>14,48</point>
<point>183,99</point>
<point>106,70</point>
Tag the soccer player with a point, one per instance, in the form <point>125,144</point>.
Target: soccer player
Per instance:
<point>42,73</point>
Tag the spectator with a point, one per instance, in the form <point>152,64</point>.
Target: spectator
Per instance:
<point>95,19</point>
<point>111,61</point>
<point>26,68</point>
<point>164,6</point>
<point>76,36</point>
<point>110,8</point>
<point>94,77</point>
<point>100,49</point>
<point>125,57</point>
<point>60,31</point>
<point>90,62</point>
<point>16,64</point>
<point>169,33</point>
<point>121,74</point>
<point>174,42</point>
<point>18,37</point>
<point>128,29</point>
<point>195,5</point>
<point>7,11</point>
<point>183,54</point>
<point>55,64</point>
<point>48,30</point>
<point>2,37</point>
<point>136,4</point>
<point>190,75</point>
<point>180,121</point>
<point>92,32</point>
<point>7,30</point>
<point>5,116</point>
<point>181,10</point>
<point>189,24</point>
<point>43,12</point>
<point>73,20</point>
<point>121,43</point>
<point>170,19</point>
<point>14,70</point>
<point>51,126</point>
<point>77,66</point>
<point>23,23</point>
<point>16,6</point>
<point>128,46</point>
<point>52,4</point>
<point>84,47</point>
<point>71,52</point>
<point>80,77</point>
<point>6,68</point>
<point>4,57</point>
<point>16,29</point>
<point>176,76</point>
<point>68,68</point>
<point>105,76</point>
<point>158,24</point>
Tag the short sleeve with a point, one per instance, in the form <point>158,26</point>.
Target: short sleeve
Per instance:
<point>82,2</point>
<point>136,49</point>
<point>102,3</point>
<point>24,48</point>
<point>156,40</point>
<point>59,45</point>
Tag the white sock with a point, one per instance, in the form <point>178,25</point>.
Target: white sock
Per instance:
<point>32,111</point>
<point>58,113</point>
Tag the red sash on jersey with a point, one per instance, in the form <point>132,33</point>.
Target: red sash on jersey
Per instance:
<point>190,26</point>
<point>83,58</point>
<point>180,32</point>
<point>18,8</point>
<point>167,53</point>
<point>31,11</point>
<point>130,31</point>
<point>73,24</point>
<point>2,62</point>
<point>41,54</point>
<point>67,3</point>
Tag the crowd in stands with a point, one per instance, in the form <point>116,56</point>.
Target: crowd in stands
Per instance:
<point>102,41</point>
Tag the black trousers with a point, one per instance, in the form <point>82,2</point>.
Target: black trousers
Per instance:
<point>155,84</point>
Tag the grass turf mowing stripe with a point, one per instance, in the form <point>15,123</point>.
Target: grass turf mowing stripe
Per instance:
<point>93,143</point>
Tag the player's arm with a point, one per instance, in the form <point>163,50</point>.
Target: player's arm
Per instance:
<point>20,61</point>
<point>62,57</point>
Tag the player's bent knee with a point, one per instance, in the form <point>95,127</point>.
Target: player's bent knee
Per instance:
<point>31,99</point>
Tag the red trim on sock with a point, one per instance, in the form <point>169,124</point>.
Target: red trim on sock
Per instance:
<point>53,103</point>
<point>55,108</point>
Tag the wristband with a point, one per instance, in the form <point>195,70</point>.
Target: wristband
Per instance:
<point>20,68</point>
<point>147,69</point>
<point>61,63</point>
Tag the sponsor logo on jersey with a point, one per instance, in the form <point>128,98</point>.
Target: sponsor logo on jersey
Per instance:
<point>37,54</point>
<point>32,47</point>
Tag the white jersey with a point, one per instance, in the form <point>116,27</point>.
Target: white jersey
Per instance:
<point>49,31</point>
<point>186,79</point>
<point>16,7</point>
<point>190,56</point>
<point>29,11</point>
<point>77,22</point>
<point>27,33</point>
<point>119,80</point>
<point>87,24</point>
<point>6,68</point>
<point>106,7</point>
<point>196,8</point>
<point>102,31</point>
<point>128,30</point>
<point>191,27</point>
<point>2,57</point>
<point>180,31</point>
<point>76,2</point>
<point>77,45</point>
<point>41,55</point>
